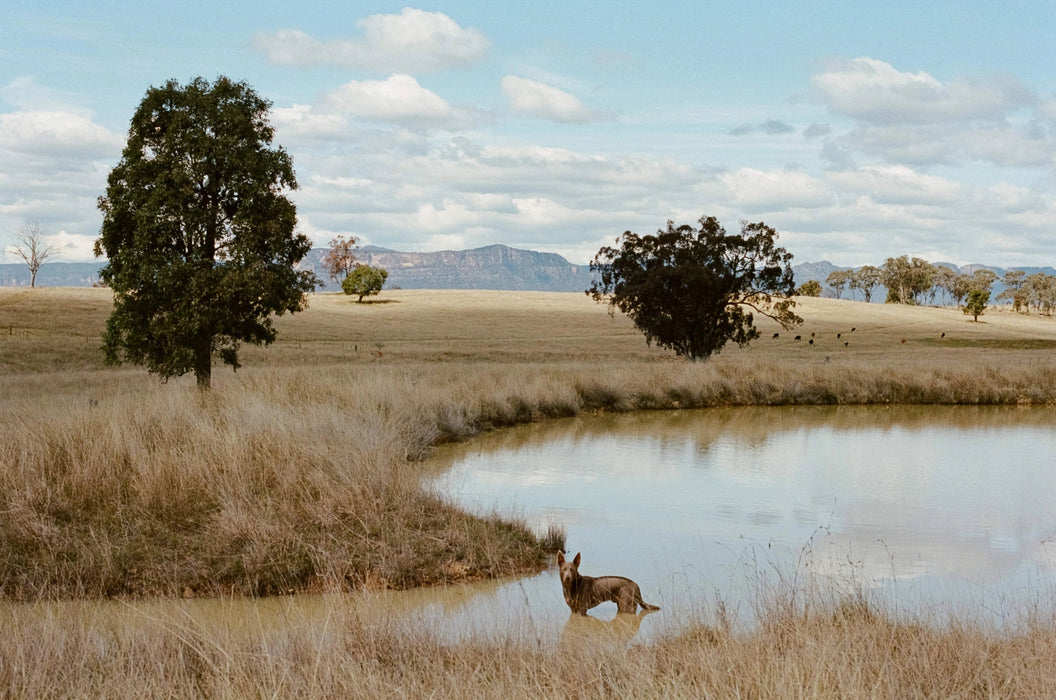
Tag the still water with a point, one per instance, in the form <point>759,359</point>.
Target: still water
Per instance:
<point>931,510</point>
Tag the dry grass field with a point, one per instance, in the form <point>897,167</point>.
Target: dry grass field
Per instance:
<point>299,472</point>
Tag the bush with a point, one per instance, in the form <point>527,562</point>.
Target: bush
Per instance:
<point>365,281</point>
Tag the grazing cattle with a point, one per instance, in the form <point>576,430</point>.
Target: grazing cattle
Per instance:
<point>775,336</point>
<point>798,337</point>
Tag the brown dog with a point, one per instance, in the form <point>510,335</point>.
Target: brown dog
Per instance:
<point>584,592</point>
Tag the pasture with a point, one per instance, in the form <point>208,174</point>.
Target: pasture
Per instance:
<point>299,472</point>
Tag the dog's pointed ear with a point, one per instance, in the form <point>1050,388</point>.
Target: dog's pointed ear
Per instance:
<point>575,562</point>
<point>560,557</point>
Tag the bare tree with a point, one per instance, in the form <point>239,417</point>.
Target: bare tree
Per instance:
<point>32,245</point>
<point>340,260</point>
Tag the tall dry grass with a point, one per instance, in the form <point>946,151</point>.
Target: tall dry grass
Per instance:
<point>301,472</point>
<point>797,647</point>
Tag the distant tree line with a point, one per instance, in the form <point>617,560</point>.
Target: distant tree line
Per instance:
<point>916,281</point>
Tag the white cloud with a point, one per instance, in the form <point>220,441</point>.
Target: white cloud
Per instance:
<point>24,93</point>
<point>412,41</point>
<point>73,246</point>
<point>915,119</point>
<point>301,123</point>
<point>398,98</point>
<point>532,98</point>
<point>54,164</point>
<point>896,184</point>
<point>1010,146</point>
<point>53,132</point>
<point>761,191</point>
<point>875,92</point>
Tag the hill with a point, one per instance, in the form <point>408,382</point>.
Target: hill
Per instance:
<point>495,267</point>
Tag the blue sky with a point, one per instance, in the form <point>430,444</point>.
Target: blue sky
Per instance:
<point>858,130</point>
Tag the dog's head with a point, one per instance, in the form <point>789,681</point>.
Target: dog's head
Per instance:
<point>569,570</point>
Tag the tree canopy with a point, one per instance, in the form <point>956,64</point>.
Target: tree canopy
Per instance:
<point>694,290</point>
<point>978,298</point>
<point>198,233</point>
<point>810,288</point>
<point>365,281</point>
<point>908,281</point>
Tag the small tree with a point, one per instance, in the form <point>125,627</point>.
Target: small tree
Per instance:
<point>810,288</point>
<point>32,245</point>
<point>838,280</point>
<point>1039,291</point>
<point>694,290</point>
<point>867,278</point>
<point>340,260</point>
<point>976,304</point>
<point>944,280</point>
<point>1013,282</point>
<point>365,281</point>
<point>199,236</point>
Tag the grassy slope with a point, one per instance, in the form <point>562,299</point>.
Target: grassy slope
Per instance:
<point>299,472</point>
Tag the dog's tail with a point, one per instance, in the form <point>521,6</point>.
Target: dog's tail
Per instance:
<point>646,606</point>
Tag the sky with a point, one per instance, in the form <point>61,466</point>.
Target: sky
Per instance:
<point>859,131</point>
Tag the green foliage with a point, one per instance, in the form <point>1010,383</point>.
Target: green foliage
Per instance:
<point>977,300</point>
<point>810,288</point>
<point>365,281</point>
<point>199,238</point>
<point>693,290</point>
<point>838,280</point>
<point>963,285</point>
<point>866,278</point>
<point>907,281</point>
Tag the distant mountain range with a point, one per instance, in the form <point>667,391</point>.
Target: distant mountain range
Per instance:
<point>490,267</point>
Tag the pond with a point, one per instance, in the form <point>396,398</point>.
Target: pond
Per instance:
<point>928,509</point>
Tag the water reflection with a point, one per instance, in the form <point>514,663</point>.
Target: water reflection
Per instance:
<point>933,508</point>
<point>919,504</point>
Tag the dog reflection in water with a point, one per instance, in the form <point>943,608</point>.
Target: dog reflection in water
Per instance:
<point>585,592</point>
<point>585,631</point>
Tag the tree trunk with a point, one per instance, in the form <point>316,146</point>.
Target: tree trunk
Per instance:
<point>203,365</point>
